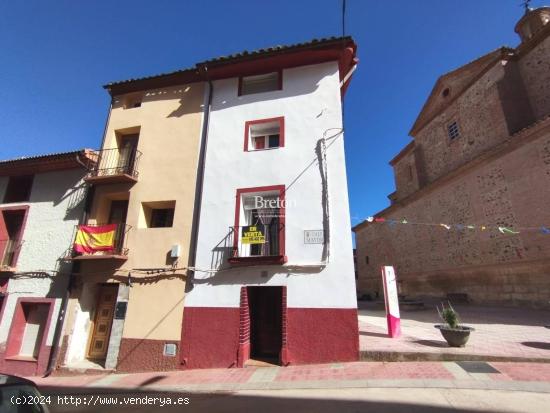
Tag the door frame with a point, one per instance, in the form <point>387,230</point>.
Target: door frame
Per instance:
<point>244,345</point>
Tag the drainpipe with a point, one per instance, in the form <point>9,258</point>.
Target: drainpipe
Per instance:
<point>54,353</point>
<point>200,182</point>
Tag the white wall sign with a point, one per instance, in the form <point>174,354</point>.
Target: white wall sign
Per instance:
<point>314,236</point>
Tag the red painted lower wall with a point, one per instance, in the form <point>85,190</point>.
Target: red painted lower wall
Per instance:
<point>322,335</point>
<point>145,355</point>
<point>24,367</point>
<point>210,336</point>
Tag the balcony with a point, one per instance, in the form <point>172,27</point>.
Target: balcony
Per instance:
<point>9,250</point>
<point>99,242</point>
<point>258,244</point>
<point>113,166</point>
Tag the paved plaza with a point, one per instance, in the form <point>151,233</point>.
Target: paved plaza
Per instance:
<point>501,333</point>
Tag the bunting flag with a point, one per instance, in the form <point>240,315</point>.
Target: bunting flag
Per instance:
<point>505,230</point>
<point>460,227</point>
<point>91,239</point>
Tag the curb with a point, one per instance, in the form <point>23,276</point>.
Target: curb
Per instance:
<point>416,356</point>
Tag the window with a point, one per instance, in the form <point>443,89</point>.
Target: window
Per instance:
<point>264,134</point>
<point>367,259</point>
<point>410,168</point>
<point>11,232</point>
<point>133,101</point>
<point>267,82</point>
<point>258,233</point>
<point>28,328</point>
<point>36,316</point>
<point>162,218</point>
<point>452,130</point>
<point>158,214</point>
<point>18,189</point>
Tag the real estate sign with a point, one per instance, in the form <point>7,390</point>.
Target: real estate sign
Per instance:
<point>391,300</point>
<point>252,234</point>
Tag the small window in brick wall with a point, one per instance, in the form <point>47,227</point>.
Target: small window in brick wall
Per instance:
<point>367,259</point>
<point>452,130</point>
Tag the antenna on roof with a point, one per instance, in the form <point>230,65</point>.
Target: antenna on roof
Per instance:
<point>343,18</point>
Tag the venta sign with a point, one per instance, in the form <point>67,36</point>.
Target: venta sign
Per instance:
<point>252,234</point>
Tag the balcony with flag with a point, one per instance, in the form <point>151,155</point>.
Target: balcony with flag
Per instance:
<point>96,241</point>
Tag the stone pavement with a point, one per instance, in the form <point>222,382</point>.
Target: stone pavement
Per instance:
<point>528,377</point>
<point>502,333</point>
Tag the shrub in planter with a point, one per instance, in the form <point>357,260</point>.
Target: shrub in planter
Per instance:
<point>453,332</point>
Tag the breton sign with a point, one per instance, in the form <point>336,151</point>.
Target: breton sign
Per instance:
<point>314,236</point>
<point>391,300</point>
<point>252,234</point>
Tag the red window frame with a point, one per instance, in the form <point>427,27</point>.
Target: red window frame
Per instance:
<point>281,258</point>
<point>249,123</point>
<point>21,232</point>
<point>17,328</point>
<point>279,75</point>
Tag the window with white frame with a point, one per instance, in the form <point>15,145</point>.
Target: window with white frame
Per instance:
<point>262,211</point>
<point>264,134</point>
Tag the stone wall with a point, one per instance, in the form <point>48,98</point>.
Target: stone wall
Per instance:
<point>535,70</point>
<point>510,190</point>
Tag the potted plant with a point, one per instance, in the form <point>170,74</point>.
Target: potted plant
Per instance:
<point>455,334</point>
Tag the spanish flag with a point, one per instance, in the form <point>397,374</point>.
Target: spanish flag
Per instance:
<point>90,239</point>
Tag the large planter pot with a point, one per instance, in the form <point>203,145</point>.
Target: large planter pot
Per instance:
<point>455,337</point>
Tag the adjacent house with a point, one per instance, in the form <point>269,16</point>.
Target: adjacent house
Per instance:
<point>42,198</point>
<point>479,161</point>
<point>126,304</point>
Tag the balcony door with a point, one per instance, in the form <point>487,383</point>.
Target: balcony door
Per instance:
<point>117,215</point>
<point>127,153</point>
<point>11,231</point>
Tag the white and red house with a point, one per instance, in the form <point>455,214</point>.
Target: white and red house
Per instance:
<point>274,273</point>
<point>42,198</point>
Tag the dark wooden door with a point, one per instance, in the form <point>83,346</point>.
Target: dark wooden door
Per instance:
<point>266,321</point>
<point>101,330</point>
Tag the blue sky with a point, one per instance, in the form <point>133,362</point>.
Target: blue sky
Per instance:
<point>56,55</point>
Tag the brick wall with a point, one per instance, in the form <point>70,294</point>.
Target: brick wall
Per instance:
<point>509,190</point>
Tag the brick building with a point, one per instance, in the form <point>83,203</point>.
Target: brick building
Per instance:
<point>480,155</point>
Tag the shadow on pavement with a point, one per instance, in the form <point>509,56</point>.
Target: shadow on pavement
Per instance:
<point>537,344</point>
<point>432,343</point>
<point>109,400</point>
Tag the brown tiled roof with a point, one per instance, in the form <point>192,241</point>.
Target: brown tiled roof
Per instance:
<point>193,73</point>
<point>44,163</point>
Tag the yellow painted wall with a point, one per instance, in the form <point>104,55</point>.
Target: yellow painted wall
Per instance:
<point>169,123</point>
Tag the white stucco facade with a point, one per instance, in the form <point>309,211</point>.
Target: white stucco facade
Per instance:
<point>55,206</point>
<point>310,103</point>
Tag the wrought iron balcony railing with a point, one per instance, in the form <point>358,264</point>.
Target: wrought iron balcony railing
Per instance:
<point>258,243</point>
<point>95,241</point>
<point>9,249</point>
<point>114,165</point>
